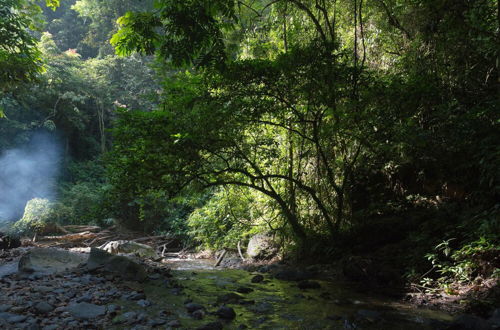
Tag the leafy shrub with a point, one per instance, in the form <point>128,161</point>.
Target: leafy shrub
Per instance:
<point>37,214</point>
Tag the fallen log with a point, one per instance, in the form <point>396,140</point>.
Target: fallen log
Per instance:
<point>69,237</point>
<point>82,228</point>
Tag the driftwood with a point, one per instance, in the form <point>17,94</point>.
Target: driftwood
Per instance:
<point>239,251</point>
<point>219,260</point>
<point>79,228</point>
<point>70,237</point>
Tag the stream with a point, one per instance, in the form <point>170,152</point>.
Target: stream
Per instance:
<point>163,302</point>
<point>275,304</point>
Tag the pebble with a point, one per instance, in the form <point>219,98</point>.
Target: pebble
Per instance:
<point>191,307</point>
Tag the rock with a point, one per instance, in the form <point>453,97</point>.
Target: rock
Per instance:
<point>262,307</point>
<point>126,247</point>
<point>120,265</point>
<point>128,317</point>
<point>191,307</point>
<point>86,311</point>
<point>156,322</point>
<point>198,314</point>
<point>257,279</point>
<point>304,285</point>
<point>5,308</point>
<point>494,320</point>
<point>144,303</point>
<point>229,298</point>
<point>49,261</point>
<point>43,307</point>
<point>469,322</point>
<point>244,289</point>
<point>174,324</point>
<point>226,313</point>
<point>262,247</point>
<point>211,326</point>
<point>292,275</point>
<point>9,242</point>
<point>369,315</point>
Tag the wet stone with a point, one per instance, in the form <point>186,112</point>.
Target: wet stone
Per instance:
<point>257,279</point>
<point>226,313</point>
<point>43,307</point>
<point>198,314</point>
<point>86,310</point>
<point>174,324</point>
<point>191,307</point>
<point>144,303</point>
<point>211,326</point>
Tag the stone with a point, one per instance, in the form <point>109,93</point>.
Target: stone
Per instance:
<point>144,303</point>
<point>174,324</point>
<point>198,314</point>
<point>262,307</point>
<point>257,279</point>
<point>13,318</point>
<point>262,247</point>
<point>9,242</point>
<point>469,322</point>
<point>369,315</point>
<point>5,308</point>
<point>229,298</point>
<point>191,307</point>
<point>126,247</point>
<point>43,307</point>
<point>244,289</point>
<point>128,317</point>
<point>103,261</point>
<point>226,313</point>
<point>86,311</point>
<point>47,261</point>
<point>211,326</point>
<point>292,275</point>
<point>304,285</point>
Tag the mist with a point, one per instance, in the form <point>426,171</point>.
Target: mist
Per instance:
<point>27,172</point>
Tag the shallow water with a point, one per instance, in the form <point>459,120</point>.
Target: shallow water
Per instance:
<point>275,304</point>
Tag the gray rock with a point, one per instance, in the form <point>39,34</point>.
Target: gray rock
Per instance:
<point>211,326</point>
<point>13,318</point>
<point>257,279</point>
<point>49,261</point>
<point>262,246</point>
<point>369,314</point>
<point>86,311</point>
<point>230,298</point>
<point>128,317</point>
<point>43,307</point>
<point>174,324</point>
<point>144,303</point>
<point>191,307</point>
<point>5,308</point>
<point>198,314</point>
<point>262,307</point>
<point>469,322</point>
<point>292,275</point>
<point>50,327</point>
<point>142,250</point>
<point>120,265</point>
<point>226,313</point>
<point>304,285</point>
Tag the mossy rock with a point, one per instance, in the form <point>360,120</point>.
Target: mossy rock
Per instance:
<point>37,214</point>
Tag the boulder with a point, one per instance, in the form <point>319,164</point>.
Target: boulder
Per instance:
<point>126,247</point>
<point>86,310</point>
<point>103,261</point>
<point>49,261</point>
<point>9,242</point>
<point>261,247</point>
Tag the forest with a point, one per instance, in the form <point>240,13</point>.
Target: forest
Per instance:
<point>352,136</point>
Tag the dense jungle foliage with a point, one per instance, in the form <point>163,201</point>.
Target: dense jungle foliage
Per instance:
<point>343,128</point>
